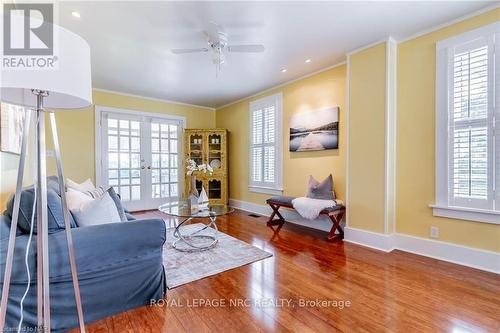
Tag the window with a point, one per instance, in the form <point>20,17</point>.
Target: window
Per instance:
<point>468,126</point>
<point>11,127</point>
<point>265,154</point>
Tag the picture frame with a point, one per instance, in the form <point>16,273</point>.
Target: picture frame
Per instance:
<point>315,130</point>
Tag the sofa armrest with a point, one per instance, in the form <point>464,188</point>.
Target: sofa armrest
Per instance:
<point>97,248</point>
<point>112,244</point>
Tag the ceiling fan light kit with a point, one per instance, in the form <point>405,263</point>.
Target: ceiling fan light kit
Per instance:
<point>218,44</point>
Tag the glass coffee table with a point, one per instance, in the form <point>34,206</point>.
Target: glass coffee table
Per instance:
<point>190,238</point>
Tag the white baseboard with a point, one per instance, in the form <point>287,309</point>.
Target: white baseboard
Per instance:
<point>374,240</point>
<point>457,254</point>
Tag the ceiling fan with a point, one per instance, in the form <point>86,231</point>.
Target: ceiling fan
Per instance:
<point>217,40</point>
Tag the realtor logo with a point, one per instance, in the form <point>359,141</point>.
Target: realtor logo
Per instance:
<point>28,29</point>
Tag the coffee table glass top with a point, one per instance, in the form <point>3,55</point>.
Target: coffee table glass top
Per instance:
<point>183,209</point>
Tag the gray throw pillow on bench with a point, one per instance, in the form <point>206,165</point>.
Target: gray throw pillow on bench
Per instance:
<point>321,191</point>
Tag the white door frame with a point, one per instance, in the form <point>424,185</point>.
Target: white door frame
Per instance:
<point>98,138</point>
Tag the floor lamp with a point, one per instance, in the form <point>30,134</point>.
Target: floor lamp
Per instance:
<point>65,87</point>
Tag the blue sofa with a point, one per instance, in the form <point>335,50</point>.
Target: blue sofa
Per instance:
<point>119,267</point>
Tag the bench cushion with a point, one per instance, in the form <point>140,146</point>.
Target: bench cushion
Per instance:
<point>281,200</point>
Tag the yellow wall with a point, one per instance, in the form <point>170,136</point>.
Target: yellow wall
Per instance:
<point>318,91</point>
<point>9,164</point>
<point>367,96</point>
<point>8,175</point>
<point>77,136</point>
<point>415,143</point>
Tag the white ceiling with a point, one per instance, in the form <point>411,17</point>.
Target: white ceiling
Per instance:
<point>131,41</point>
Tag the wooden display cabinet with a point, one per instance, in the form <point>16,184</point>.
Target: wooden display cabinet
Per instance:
<point>208,146</point>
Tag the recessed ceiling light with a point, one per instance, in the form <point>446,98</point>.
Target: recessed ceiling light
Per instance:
<point>283,70</point>
<point>76,14</point>
<point>308,61</point>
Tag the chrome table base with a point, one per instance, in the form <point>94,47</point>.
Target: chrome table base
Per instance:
<point>188,239</point>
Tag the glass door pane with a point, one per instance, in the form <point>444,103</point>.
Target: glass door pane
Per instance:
<point>123,152</point>
<point>165,159</point>
<point>140,158</point>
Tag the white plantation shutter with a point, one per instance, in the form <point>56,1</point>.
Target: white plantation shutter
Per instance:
<point>468,124</point>
<point>496,100</point>
<point>471,127</point>
<point>265,144</point>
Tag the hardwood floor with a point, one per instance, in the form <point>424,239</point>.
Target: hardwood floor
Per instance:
<point>395,292</point>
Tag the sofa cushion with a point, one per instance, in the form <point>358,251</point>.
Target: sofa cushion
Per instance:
<point>54,211</point>
<point>86,186</point>
<point>118,202</point>
<point>99,211</point>
<point>5,228</point>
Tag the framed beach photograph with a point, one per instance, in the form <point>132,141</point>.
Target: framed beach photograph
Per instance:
<point>11,127</point>
<point>316,130</point>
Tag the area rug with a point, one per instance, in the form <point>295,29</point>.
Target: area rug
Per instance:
<point>228,253</point>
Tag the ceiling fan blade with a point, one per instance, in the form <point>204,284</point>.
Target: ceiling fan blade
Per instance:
<point>182,51</point>
<point>246,48</point>
<point>213,32</point>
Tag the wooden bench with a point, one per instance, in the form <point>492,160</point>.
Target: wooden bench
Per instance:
<point>336,214</point>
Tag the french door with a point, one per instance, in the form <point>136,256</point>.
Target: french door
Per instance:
<point>140,156</point>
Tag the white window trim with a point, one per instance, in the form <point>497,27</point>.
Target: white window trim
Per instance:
<point>277,99</point>
<point>441,207</point>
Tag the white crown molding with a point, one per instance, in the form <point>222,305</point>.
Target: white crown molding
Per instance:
<point>367,46</point>
<point>454,253</point>
<point>383,40</point>
<point>153,99</point>
<point>446,24</point>
<point>324,69</point>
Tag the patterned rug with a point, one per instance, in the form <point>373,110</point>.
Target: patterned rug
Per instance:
<point>184,267</point>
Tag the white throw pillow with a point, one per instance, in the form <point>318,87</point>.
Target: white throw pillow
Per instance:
<point>86,186</point>
<point>76,200</point>
<point>99,211</point>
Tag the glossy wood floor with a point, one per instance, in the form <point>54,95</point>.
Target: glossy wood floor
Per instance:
<point>396,292</point>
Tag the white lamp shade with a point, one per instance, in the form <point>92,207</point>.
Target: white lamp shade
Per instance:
<point>68,83</point>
